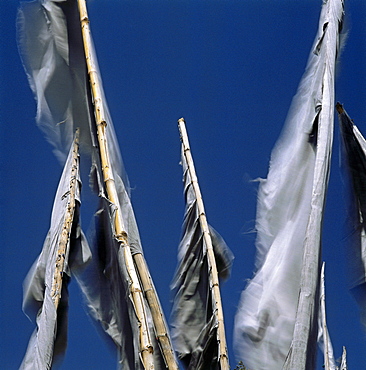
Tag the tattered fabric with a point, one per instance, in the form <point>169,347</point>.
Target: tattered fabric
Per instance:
<point>105,284</point>
<point>49,340</point>
<point>265,319</point>
<point>50,44</point>
<point>324,341</point>
<point>193,321</point>
<point>354,164</point>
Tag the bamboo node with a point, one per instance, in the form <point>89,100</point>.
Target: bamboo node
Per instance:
<point>85,19</point>
<point>122,236</point>
<point>102,123</point>
<point>107,178</point>
<point>164,335</point>
<point>136,290</point>
<point>148,349</point>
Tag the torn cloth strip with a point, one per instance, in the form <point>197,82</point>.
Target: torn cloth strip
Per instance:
<point>324,341</point>
<point>354,165</point>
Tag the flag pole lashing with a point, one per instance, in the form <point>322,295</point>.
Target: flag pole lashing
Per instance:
<point>213,274</point>
<point>64,241</point>
<point>146,348</point>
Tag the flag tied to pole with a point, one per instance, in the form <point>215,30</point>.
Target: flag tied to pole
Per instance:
<point>49,340</point>
<point>289,212</point>
<point>194,322</point>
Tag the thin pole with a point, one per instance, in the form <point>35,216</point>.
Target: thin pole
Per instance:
<point>161,330</point>
<point>299,354</point>
<point>146,347</point>
<point>66,227</point>
<point>213,275</point>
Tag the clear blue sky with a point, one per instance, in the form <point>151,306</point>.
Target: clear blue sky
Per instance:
<point>230,68</point>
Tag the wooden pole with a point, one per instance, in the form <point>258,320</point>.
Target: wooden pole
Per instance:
<point>161,330</point>
<point>146,348</point>
<point>213,275</point>
<point>66,228</point>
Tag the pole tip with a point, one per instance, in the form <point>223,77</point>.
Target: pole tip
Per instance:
<point>339,108</point>
<point>181,126</point>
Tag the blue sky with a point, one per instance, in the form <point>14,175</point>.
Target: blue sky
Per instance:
<point>230,68</point>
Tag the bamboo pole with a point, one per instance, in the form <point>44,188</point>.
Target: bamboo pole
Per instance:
<point>299,354</point>
<point>161,330</point>
<point>66,227</point>
<point>146,347</point>
<point>214,279</point>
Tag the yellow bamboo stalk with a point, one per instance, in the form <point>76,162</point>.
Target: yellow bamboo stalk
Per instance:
<point>213,274</point>
<point>66,227</point>
<point>146,348</point>
<point>161,330</point>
